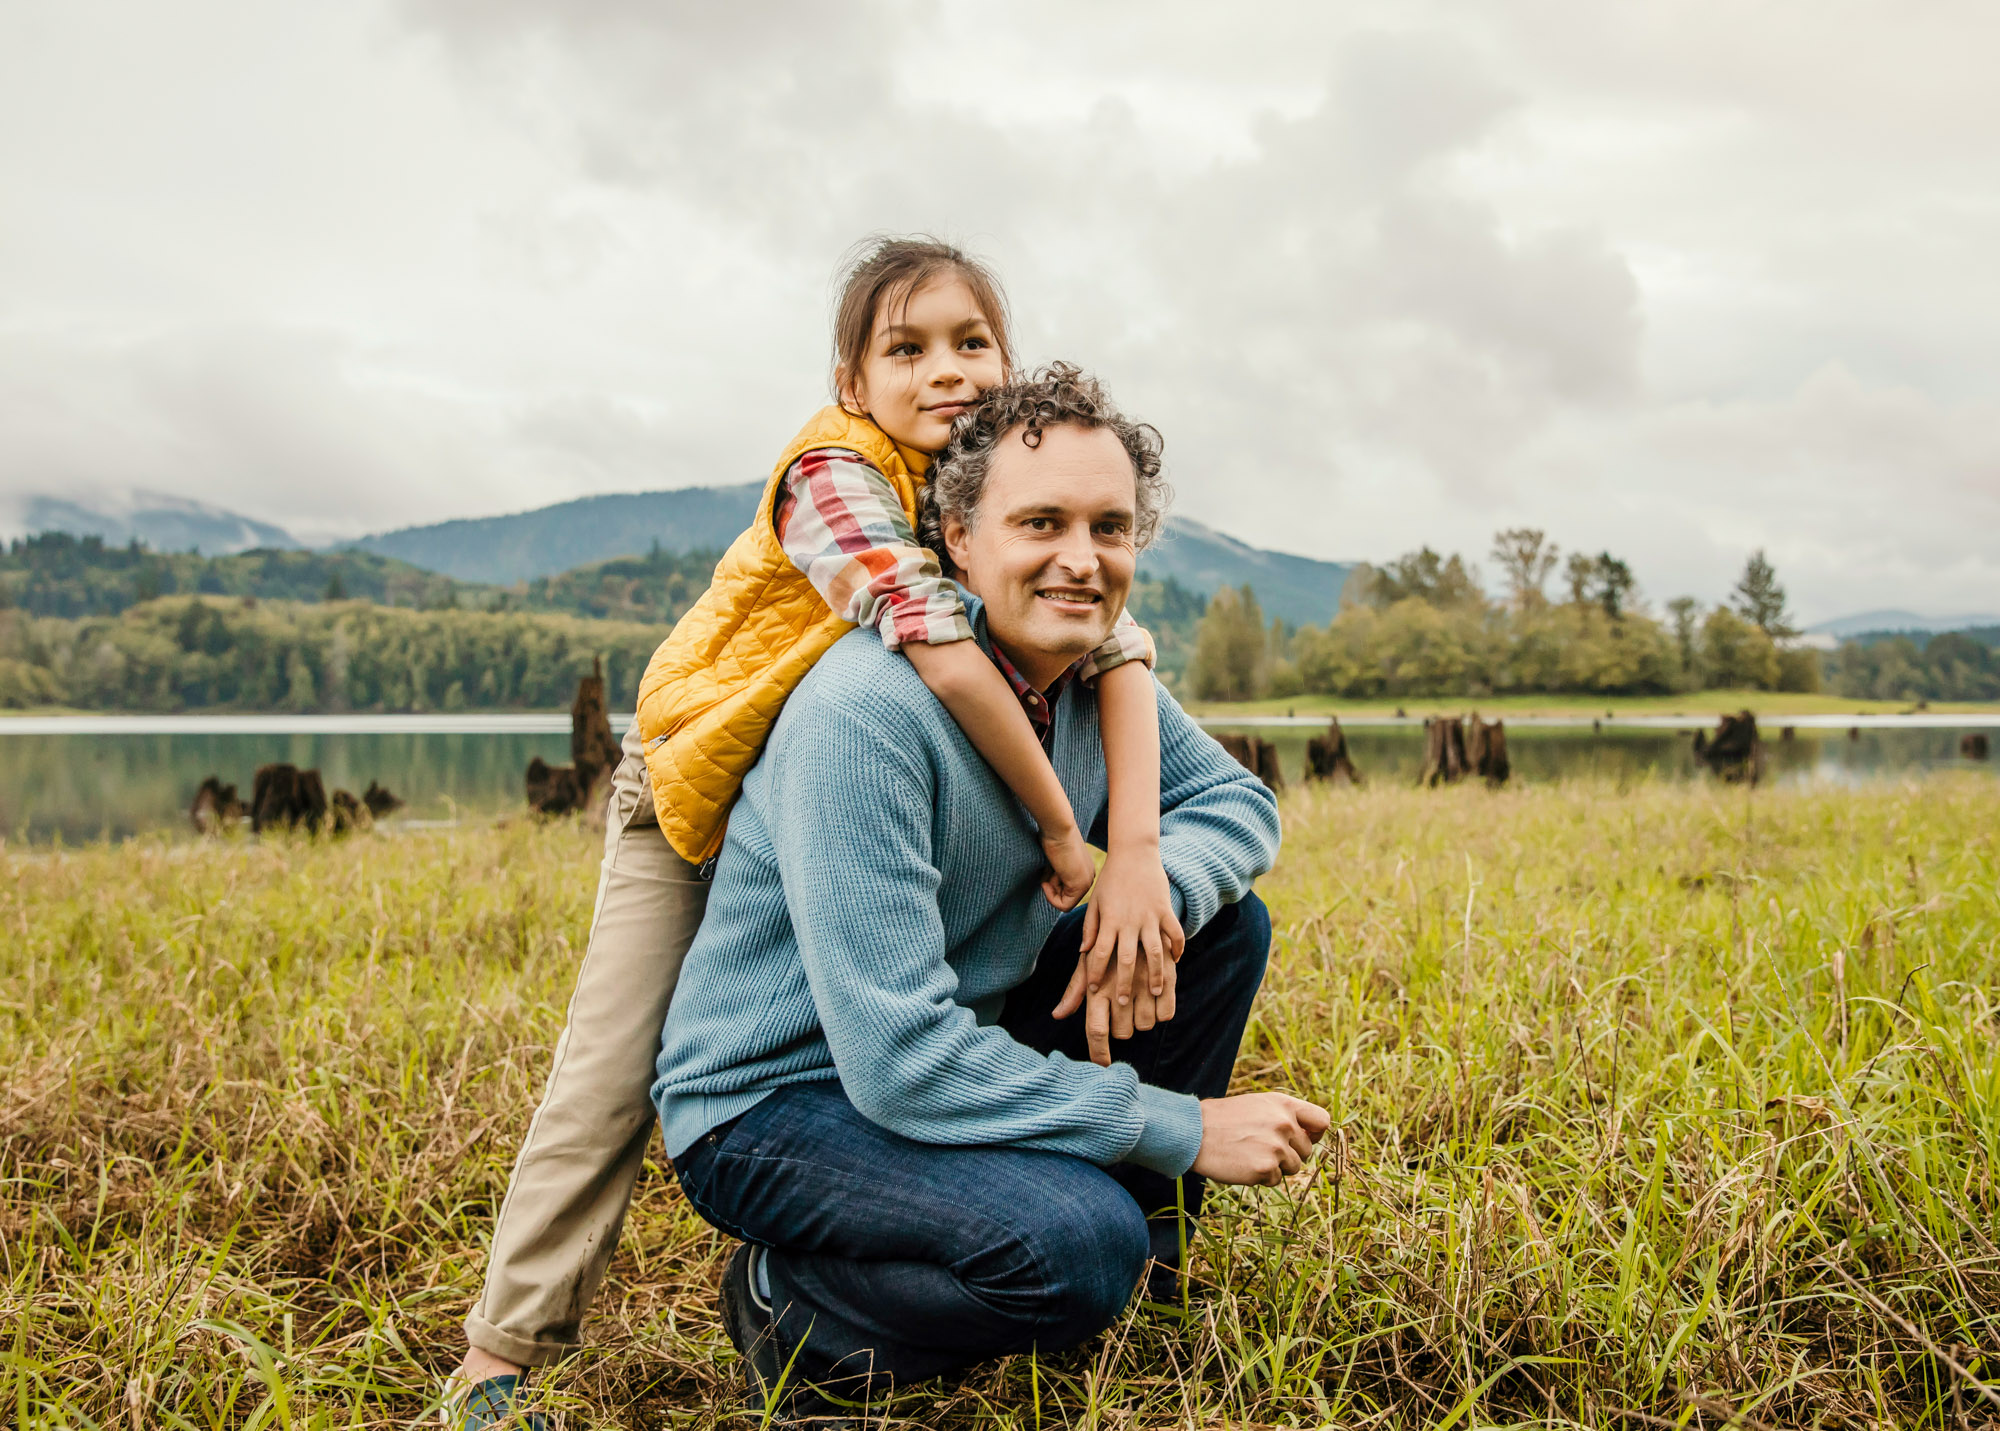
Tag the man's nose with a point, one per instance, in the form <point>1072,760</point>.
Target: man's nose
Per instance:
<point>1077,553</point>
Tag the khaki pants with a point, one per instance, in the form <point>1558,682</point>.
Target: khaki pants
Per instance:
<point>573,1180</point>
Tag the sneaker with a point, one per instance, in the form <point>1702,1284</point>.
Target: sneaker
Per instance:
<point>494,1405</point>
<point>753,1332</point>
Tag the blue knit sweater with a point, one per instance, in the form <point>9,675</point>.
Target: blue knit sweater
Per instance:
<point>877,897</point>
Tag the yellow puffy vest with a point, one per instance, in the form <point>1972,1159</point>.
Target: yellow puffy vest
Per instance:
<point>715,686</point>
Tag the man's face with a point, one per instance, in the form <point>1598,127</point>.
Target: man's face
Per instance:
<point>1049,549</point>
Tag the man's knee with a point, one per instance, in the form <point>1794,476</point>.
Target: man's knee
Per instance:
<point>1090,1248</point>
<point>1239,937</point>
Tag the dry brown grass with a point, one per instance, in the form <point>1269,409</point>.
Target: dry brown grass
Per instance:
<point>1653,1107</point>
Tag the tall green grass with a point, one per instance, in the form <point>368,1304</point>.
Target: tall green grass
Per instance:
<point>1662,1105</point>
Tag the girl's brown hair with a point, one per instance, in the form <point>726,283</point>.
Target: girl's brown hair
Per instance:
<point>889,270</point>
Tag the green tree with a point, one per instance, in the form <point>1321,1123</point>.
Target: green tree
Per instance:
<point>1736,653</point>
<point>1424,575</point>
<point>1232,660</point>
<point>1760,600</point>
<point>1611,582</point>
<point>1684,610</point>
<point>1579,572</point>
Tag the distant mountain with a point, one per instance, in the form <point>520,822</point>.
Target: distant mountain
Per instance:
<point>1302,590</point>
<point>550,540</point>
<point>1871,621</point>
<point>164,523</point>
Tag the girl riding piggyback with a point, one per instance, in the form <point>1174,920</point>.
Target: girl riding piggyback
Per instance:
<point>920,331</point>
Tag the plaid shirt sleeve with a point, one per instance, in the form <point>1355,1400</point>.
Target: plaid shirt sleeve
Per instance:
<point>1128,641</point>
<point>842,524</point>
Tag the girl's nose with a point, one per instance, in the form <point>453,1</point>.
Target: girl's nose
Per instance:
<point>947,371</point>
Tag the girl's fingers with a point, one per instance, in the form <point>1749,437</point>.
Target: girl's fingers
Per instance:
<point>1127,977</point>
<point>1156,959</point>
<point>1176,940</point>
<point>1089,928</point>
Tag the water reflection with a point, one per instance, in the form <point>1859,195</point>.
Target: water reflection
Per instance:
<point>85,787</point>
<point>1395,754</point>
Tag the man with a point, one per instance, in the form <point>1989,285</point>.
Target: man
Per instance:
<point>864,1075</point>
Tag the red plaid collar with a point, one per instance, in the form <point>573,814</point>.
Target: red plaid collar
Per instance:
<point>1041,708</point>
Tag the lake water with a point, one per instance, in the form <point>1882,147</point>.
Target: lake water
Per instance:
<point>88,778</point>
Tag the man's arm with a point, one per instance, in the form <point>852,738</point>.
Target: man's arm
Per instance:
<point>851,823</point>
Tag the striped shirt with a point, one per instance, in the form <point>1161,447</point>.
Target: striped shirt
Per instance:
<point>842,524</point>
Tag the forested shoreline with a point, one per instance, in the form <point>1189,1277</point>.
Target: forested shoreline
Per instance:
<point>89,626</point>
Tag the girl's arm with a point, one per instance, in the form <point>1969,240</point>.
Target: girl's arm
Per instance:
<point>1132,909</point>
<point>842,524</point>
<point>987,710</point>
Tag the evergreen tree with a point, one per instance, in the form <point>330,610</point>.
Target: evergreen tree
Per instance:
<point>1759,599</point>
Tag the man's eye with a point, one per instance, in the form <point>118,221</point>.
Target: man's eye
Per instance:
<point>1111,529</point>
<point>1041,524</point>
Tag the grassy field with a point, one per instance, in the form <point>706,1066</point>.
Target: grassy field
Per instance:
<point>1767,704</point>
<point>1654,1106</point>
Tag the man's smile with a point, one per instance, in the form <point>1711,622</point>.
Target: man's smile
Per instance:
<point>1070,598</point>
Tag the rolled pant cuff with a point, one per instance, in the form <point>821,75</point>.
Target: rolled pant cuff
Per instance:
<point>494,1342</point>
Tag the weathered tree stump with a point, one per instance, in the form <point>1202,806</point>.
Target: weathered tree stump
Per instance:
<point>1327,757</point>
<point>1973,745</point>
<point>1444,751</point>
<point>346,812</point>
<point>1735,752</point>
<point>1486,749</point>
<point>1854,732</point>
<point>287,798</point>
<point>1788,733</point>
<point>1257,756</point>
<point>379,801</point>
<point>593,752</point>
<point>216,807</point>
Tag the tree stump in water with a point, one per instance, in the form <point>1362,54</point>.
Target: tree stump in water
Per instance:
<point>593,751</point>
<point>1486,749</point>
<point>1973,745</point>
<point>1735,752</point>
<point>286,798</point>
<point>1327,757</point>
<point>216,807</point>
<point>1444,751</point>
<point>345,812</point>
<point>1259,757</point>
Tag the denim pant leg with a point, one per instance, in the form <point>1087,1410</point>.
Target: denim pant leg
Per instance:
<point>891,1260</point>
<point>1219,974</point>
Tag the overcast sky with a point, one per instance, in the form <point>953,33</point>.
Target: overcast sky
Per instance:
<point>1676,280</point>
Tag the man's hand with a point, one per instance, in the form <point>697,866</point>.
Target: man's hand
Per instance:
<point>1071,868</point>
<point>1257,1138</point>
<point>1131,915</point>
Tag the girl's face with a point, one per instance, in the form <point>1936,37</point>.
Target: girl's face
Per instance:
<point>931,354</point>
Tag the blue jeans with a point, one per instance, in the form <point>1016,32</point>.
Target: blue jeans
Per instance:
<point>892,1260</point>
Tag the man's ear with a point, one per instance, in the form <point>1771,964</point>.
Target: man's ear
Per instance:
<point>958,544</point>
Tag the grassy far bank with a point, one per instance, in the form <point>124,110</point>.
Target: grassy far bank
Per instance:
<point>1682,1102</point>
<point>1767,704</point>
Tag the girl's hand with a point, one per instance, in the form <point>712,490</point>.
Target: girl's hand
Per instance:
<point>1071,868</point>
<point>1131,915</point>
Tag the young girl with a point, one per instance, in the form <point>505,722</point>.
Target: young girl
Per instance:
<point>920,331</point>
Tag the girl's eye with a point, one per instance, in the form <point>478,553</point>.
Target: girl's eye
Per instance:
<point>905,350</point>
<point>976,343</point>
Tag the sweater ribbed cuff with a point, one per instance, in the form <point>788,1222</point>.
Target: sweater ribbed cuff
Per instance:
<point>1171,1135</point>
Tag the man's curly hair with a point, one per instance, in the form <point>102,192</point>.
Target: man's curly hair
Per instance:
<point>1060,395</point>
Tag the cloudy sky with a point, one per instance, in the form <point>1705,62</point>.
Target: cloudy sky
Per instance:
<point>1677,280</point>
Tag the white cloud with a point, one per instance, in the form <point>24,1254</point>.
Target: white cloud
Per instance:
<point>1674,279</point>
